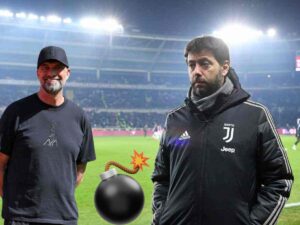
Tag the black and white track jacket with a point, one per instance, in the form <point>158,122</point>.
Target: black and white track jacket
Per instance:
<point>223,166</point>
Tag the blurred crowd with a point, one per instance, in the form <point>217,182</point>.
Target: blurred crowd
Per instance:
<point>133,100</point>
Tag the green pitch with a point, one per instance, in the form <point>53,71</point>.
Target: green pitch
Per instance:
<point>120,149</point>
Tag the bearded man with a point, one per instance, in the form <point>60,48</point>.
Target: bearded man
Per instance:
<point>45,144</point>
<point>220,159</point>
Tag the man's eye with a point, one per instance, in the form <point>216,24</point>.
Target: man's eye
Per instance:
<point>192,65</point>
<point>205,64</point>
<point>44,68</point>
<point>60,68</point>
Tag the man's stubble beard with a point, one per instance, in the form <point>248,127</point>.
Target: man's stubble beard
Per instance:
<point>210,88</point>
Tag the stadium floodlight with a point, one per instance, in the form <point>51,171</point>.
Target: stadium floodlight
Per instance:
<point>32,16</point>
<point>112,26</point>
<point>53,19</point>
<point>42,18</point>
<point>90,23</point>
<point>238,33</point>
<point>21,15</point>
<point>67,20</point>
<point>271,32</point>
<point>108,25</point>
<point>6,13</point>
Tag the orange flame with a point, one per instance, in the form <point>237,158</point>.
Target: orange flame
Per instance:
<point>138,160</point>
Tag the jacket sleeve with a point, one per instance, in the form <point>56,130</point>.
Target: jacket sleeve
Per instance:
<point>160,178</point>
<point>274,174</point>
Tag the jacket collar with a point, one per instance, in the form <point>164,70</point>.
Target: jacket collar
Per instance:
<point>207,102</point>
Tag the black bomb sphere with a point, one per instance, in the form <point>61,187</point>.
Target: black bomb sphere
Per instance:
<point>119,199</point>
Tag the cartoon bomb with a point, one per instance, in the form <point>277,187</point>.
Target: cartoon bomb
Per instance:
<point>119,199</point>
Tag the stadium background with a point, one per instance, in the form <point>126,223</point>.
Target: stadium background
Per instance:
<point>127,81</point>
<point>130,80</point>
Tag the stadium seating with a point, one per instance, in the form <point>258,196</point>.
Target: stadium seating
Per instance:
<point>127,81</point>
<point>126,107</point>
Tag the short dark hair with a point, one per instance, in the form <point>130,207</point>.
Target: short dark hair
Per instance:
<point>216,45</point>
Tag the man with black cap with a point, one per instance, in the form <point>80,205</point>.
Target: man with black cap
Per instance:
<point>45,144</point>
<point>220,159</point>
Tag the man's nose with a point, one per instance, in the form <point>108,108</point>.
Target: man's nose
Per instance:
<point>198,69</point>
<point>52,72</point>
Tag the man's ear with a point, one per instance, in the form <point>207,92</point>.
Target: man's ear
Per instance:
<point>69,73</point>
<point>225,67</point>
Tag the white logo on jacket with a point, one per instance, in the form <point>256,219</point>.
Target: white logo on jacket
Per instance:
<point>185,135</point>
<point>230,150</point>
<point>229,132</point>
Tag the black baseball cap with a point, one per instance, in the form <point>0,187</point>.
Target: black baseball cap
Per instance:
<point>52,53</point>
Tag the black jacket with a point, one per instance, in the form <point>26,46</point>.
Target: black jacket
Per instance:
<point>225,165</point>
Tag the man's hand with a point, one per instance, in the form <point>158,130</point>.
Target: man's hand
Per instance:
<point>80,173</point>
<point>3,162</point>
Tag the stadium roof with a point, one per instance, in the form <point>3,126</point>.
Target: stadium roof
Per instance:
<point>183,18</point>
<point>155,34</point>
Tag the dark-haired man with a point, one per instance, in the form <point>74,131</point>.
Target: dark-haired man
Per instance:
<point>45,144</point>
<point>220,159</point>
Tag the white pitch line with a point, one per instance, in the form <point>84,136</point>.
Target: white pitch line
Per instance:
<point>292,205</point>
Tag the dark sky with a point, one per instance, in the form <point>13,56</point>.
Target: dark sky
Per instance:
<point>173,17</point>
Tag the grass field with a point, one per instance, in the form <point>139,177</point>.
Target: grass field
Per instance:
<point>121,148</point>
